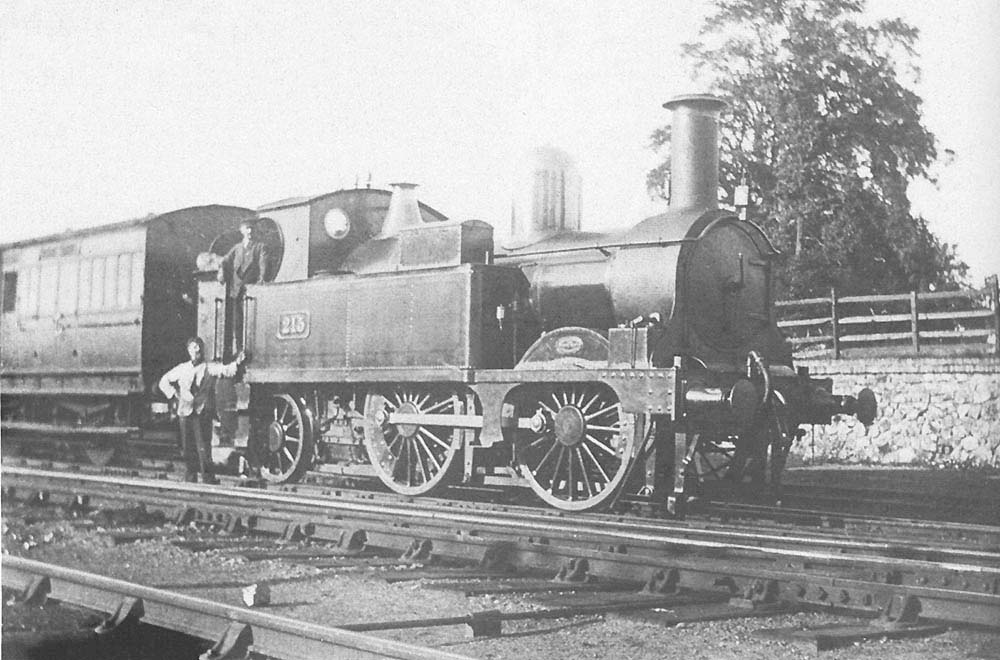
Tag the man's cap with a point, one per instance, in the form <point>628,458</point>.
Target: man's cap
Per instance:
<point>249,221</point>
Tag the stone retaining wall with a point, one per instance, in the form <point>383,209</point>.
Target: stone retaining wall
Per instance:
<point>931,411</point>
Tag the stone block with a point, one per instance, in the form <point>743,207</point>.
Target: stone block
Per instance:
<point>257,595</point>
<point>982,455</point>
<point>928,442</point>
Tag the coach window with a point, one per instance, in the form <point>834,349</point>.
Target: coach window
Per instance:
<point>9,292</point>
<point>97,283</point>
<point>124,278</point>
<point>84,281</point>
<point>48,280</point>
<point>29,302</point>
<point>110,281</point>
<point>136,298</point>
<point>67,287</point>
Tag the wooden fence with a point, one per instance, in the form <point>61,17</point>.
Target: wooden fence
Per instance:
<point>950,323</point>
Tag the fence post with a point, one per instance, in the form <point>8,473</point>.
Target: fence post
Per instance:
<point>833,323</point>
<point>913,321</point>
<point>993,284</point>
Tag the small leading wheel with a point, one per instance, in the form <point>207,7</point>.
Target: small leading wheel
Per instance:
<point>410,457</point>
<point>579,447</point>
<point>762,450</point>
<point>288,444</point>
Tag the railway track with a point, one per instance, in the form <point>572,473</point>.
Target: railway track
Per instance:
<point>235,631</point>
<point>943,495</point>
<point>825,570</point>
<point>929,511</point>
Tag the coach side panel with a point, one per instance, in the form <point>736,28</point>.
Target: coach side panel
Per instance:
<point>74,307</point>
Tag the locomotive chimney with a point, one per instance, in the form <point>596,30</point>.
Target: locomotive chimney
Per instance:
<point>694,151</point>
<point>404,211</point>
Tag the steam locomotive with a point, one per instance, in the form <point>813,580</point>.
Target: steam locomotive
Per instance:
<point>391,342</point>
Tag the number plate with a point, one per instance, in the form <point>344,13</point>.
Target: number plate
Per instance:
<point>293,325</point>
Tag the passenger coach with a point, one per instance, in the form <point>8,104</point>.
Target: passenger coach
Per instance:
<point>91,319</point>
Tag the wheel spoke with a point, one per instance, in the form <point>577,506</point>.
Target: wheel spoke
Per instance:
<point>610,429</point>
<point>420,462</point>
<point>542,438</point>
<point>602,411</point>
<point>600,468</point>
<point>586,406</point>
<point>583,471</point>
<point>409,462</point>
<point>288,454</point>
<point>436,406</point>
<point>392,444</point>
<point>601,445</point>
<point>545,458</point>
<point>570,486</point>
<point>555,471</point>
<point>430,454</point>
<point>433,437</point>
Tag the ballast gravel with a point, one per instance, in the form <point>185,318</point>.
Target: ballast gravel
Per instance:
<point>330,598</point>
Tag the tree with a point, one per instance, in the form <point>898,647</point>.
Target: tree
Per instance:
<point>822,128</point>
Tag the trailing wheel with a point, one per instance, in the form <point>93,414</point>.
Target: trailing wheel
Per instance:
<point>411,456</point>
<point>579,447</point>
<point>287,447</point>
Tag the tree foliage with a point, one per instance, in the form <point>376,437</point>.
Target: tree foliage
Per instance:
<point>823,129</point>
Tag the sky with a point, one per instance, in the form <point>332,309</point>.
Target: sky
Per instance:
<point>112,110</point>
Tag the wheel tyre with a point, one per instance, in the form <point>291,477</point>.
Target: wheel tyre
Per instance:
<point>285,436</point>
<point>413,459</point>
<point>576,461</point>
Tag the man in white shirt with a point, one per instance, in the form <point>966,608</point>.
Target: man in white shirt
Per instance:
<point>192,383</point>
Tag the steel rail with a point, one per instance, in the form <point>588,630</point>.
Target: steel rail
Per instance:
<point>273,636</point>
<point>725,517</point>
<point>611,531</point>
<point>961,593</point>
